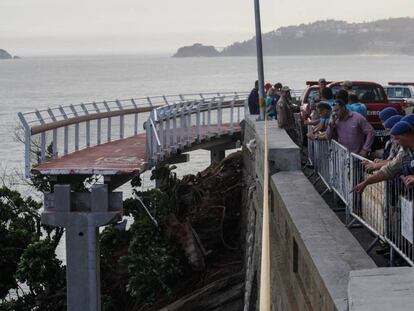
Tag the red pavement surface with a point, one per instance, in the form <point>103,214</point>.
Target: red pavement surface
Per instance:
<point>118,157</point>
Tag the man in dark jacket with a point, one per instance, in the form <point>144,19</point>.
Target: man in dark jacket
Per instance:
<point>253,100</point>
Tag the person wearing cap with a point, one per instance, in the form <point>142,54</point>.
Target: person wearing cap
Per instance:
<point>253,100</point>
<point>268,86</point>
<point>391,148</point>
<point>403,163</point>
<point>409,118</point>
<point>278,88</point>
<point>284,110</point>
<point>327,98</point>
<point>387,113</point>
<point>350,129</point>
<point>347,85</point>
<point>318,132</point>
<point>384,115</point>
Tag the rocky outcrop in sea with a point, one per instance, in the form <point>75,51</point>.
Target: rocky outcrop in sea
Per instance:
<point>5,55</point>
<point>197,50</point>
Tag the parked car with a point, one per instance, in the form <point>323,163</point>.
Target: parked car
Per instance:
<point>400,92</point>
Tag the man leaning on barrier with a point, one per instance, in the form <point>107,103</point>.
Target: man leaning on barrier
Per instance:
<point>391,148</point>
<point>403,163</point>
<point>318,131</point>
<point>350,129</point>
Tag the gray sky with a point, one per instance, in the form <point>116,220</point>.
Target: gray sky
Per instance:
<point>35,27</point>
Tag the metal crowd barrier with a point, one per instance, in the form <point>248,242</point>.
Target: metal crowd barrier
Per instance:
<point>311,148</point>
<point>340,171</point>
<point>322,162</point>
<point>368,207</point>
<point>386,208</point>
<point>399,218</point>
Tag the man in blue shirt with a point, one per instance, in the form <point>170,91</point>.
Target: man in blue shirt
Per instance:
<point>356,106</point>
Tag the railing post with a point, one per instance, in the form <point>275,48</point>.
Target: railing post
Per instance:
<point>210,103</point>
<point>168,130</point>
<point>198,130</point>
<point>153,142</point>
<point>27,144</point>
<point>175,142</point>
<point>88,127</point>
<point>189,128</point>
<point>182,126</point>
<point>121,120</point>
<point>232,115</point>
<point>98,125</point>
<point>55,136</point>
<point>147,126</point>
<point>72,108</point>
<point>109,122</point>
<point>161,131</point>
<point>165,100</point>
<point>65,132</point>
<point>135,117</point>
<point>42,138</point>
<point>149,101</point>
<point>219,115</point>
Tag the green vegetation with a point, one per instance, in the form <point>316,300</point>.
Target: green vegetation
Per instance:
<point>154,261</point>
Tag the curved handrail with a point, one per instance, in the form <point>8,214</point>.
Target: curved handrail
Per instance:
<point>58,120</point>
<point>162,110</point>
<point>165,137</point>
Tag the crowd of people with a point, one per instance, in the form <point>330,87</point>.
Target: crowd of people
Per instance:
<point>344,118</point>
<point>278,103</point>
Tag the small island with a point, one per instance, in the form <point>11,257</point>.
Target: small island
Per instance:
<point>197,50</point>
<point>5,55</point>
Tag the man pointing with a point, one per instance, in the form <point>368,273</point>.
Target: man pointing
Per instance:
<point>403,163</point>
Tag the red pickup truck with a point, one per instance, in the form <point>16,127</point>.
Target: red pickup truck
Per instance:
<point>370,93</point>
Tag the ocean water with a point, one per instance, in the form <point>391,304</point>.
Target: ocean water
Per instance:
<point>38,82</point>
<point>31,83</point>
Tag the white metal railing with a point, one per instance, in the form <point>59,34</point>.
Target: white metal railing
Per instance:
<point>171,128</point>
<point>58,131</point>
<point>386,208</point>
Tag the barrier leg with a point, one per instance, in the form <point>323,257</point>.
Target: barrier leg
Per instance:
<point>351,223</point>
<point>372,245</point>
<point>316,180</point>
<point>392,257</point>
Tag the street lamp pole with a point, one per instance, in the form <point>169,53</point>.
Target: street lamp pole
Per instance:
<point>259,49</point>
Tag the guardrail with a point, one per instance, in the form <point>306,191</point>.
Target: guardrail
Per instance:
<point>386,208</point>
<point>57,131</point>
<point>171,128</point>
<point>53,132</point>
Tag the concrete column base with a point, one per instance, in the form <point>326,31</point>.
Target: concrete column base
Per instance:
<point>82,214</point>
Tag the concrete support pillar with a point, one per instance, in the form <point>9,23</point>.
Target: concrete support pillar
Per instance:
<point>82,214</point>
<point>216,155</point>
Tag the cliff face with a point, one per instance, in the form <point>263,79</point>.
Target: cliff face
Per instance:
<point>197,50</point>
<point>4,54</point>
<point>391,36</point>
<point>330,37</point>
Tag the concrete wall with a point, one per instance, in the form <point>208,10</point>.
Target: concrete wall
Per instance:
<point>312,253</point>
